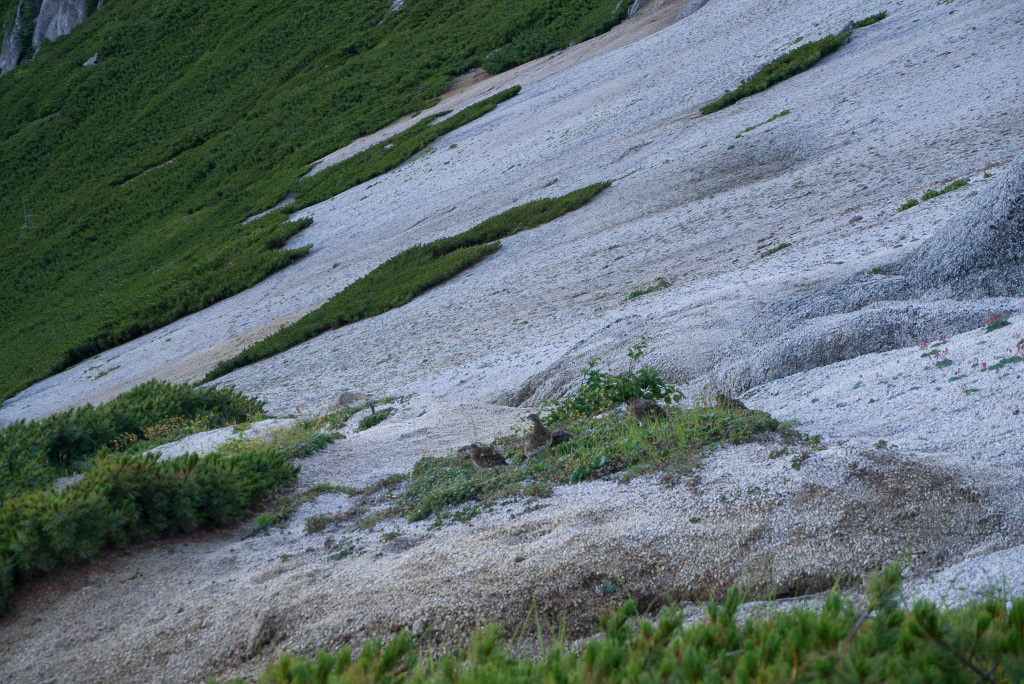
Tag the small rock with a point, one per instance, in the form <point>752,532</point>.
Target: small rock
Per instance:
<point>419,627</point>
<point>351,397</point>
<point>856,219</point>
<point>92,61</point>
<point>561,436</point>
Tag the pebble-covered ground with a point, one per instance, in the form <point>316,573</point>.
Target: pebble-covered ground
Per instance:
<point>923,458</point>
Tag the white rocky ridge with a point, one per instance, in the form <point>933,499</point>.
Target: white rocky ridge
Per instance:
<point>923,464</point>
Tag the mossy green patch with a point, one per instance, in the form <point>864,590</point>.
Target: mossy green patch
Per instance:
<point>408,274</point>
<point>779,69</point>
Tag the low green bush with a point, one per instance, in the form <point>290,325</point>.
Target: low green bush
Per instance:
<point>408,274</point>
<point>376,418</point>
<point>873,19</point>
<point>844,641</point>
<point>125,499</point>
<point>779,69</point>
<point>34,453</point>
<point>932,194</point>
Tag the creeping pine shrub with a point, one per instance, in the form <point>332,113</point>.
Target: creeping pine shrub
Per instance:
<point>34,453</point>
<point>125,499</point>
<point>873,19</point>
<point>841,642</point>
<point>409,273</point>
<point>779,69</point>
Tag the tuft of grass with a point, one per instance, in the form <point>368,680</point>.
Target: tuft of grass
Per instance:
<point>659,285</point>
<point>932,194</point>
<point>283,507</point>
<point>873,19</point>
<point>784,112</point>
<point>873,640</point>
<point>779,69</point>
<point>773,250</point>
<point>451,488</point>
<point>375,418</point>
<point>408,274</point>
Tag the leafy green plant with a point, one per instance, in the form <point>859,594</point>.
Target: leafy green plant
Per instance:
<point>996,321</point>
<point>873,19</point>
<point>410,273</point>
<point>779,69</point>
<point>602,390</point>
<point>843,641</point>
<point>34,453</point>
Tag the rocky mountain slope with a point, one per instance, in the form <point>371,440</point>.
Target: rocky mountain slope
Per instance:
<point>793,282</point>
<point>46,20</point>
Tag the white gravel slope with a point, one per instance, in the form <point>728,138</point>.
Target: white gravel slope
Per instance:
<point>928,95</point>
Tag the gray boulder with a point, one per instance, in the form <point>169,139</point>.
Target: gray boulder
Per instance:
<point>92,61</point>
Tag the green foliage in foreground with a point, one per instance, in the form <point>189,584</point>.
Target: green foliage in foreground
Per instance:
<point>125,499</point>
<point>33,454</point>
<point>844,642</point>
<point>123,186</point>
<point>779,69</point>
<point>932,194</point>
<point>408,274</point>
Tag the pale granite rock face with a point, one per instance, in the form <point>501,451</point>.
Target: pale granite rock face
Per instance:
<point>10,52</point>
<point>57,18</point>
<point>54,19</point>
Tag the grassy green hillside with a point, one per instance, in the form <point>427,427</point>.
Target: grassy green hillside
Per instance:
<point>123,185</point>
